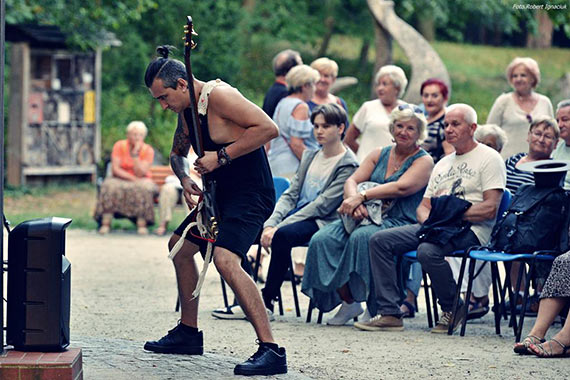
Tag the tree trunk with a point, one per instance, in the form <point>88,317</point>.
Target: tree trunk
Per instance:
<point>543,39</point>
<point>363,60</point>
<point>426,27</point>
<point>383,45</point>
<point>248,5</point>
<point>329,23</point>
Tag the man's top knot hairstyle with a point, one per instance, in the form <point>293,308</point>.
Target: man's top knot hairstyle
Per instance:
<point>164,50</point>
<point>167,69</point>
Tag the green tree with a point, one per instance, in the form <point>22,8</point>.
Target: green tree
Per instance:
<point>85,22</point>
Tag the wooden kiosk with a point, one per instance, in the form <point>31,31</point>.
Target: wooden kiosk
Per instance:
<point>53,128</point>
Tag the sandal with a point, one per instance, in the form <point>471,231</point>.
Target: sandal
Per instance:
<point>522,348</point>
<point>540,351</point>
<point>411,313</point>
<point>476,310</point>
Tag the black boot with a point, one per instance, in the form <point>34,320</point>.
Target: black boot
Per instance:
<point>266,361</point>
<point>178,341</point>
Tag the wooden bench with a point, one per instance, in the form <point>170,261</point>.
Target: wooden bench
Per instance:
<point>159,174</point>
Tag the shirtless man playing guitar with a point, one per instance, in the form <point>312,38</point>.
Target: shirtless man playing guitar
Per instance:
<point>234,131</point>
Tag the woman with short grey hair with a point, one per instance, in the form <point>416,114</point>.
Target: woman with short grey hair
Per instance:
<point>292,117</point>
<point>372,119</point>
<point>491,135</point>
<point>516,110</point>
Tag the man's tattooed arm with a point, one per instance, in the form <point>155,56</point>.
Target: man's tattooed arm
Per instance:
<point>180,148</point>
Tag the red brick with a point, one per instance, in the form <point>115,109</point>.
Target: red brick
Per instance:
<point>9,373</point>
<point>56,373</point>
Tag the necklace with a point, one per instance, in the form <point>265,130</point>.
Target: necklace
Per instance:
<point>398,164</point>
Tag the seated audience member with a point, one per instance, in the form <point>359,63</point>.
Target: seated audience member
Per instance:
<point>494,137</point>
<point>129,191</point>
<point>562,151</point>
<point>434,94</point>
<point>170,194</point>
<point>312,199</point>
<point>462,196</point>
<point>338,267</point>
<point>554,300</point>
<point>282,63</point>
<point>491,135</point>
<point>542,138</point>
<point>514,111</point>
<point>292,117</point>
<point>371,123</point>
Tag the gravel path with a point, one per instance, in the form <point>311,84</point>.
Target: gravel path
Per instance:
<point>123,293</point>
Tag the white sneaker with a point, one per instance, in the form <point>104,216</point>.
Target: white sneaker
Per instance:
<point>365,317</point>
<point>346,312</point>
<point>231,312</point>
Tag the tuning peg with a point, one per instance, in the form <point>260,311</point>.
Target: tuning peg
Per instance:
<point>186,27</point>
<point>186,44</point>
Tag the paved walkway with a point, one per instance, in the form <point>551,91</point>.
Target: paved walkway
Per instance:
<point>120,359</point>
<point>124,292</point>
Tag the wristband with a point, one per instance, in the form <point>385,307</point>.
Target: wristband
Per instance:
<point>363,195</point>
<point>223,157</point>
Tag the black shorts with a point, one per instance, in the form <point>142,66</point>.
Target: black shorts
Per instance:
<point>241,221</point>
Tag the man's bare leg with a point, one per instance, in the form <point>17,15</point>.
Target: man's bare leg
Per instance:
<point>186,277</point>
<point>229,266</point>
<point>185,337</point>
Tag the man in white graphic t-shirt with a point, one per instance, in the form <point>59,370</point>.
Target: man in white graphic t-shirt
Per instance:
<point>473,173</point>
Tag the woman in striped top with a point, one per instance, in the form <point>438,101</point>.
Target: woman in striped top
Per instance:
<point>542,138</point>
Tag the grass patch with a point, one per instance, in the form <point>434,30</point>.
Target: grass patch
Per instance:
<point>477,71</point>
<point>76,202</point>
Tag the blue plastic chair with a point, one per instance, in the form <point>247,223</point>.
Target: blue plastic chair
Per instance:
<point>494,257</point>
<point>486,254</point>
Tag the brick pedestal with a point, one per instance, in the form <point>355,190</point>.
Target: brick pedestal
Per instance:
<point>18,365</point>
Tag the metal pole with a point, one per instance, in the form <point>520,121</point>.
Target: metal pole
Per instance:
<point>2,45</point>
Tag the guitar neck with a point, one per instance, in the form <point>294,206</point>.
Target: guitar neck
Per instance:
<point>194,122</point>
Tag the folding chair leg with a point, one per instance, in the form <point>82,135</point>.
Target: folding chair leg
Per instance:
<point>506,288</point>
<point>294,286</point>
<point>472,263</point>
<point>428,302</point>
<point>433,298</point>
<point>320,317</point>
<point>458,290</point>
<point>495,281</point>
<point>310,311</point>
<point>224,293</point>
<point>280,302</point>
<point>257,263</point>
<point>518,332</point>
<point>515,299</point>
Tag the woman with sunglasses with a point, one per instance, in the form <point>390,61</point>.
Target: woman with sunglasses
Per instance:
<point>370,126</point>
<point>338,265</point>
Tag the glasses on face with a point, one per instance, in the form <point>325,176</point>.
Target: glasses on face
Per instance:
<point>539,134</point>
<point>415,109</point>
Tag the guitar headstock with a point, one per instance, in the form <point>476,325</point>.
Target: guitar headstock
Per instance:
<point>188,33</point>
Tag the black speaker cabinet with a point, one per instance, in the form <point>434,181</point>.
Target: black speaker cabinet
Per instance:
<point>39,286</point>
